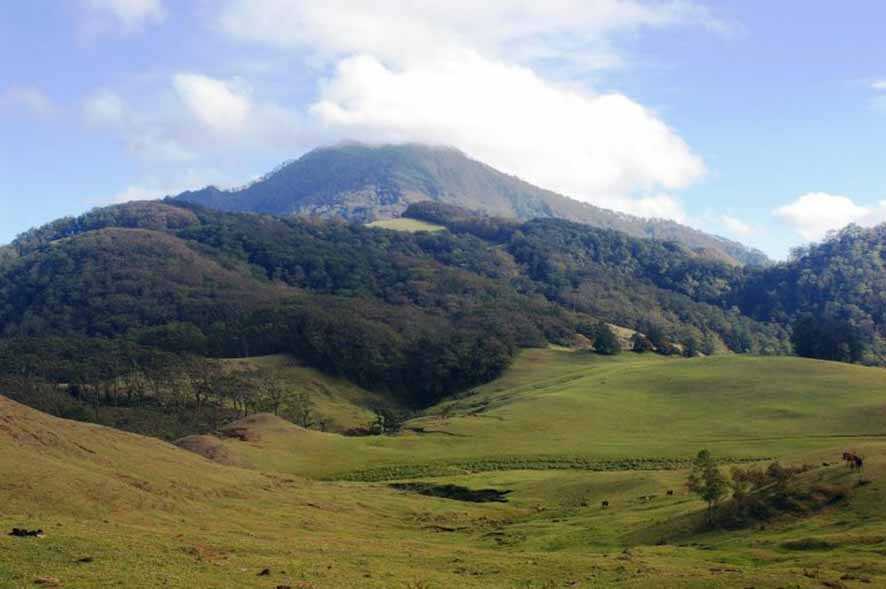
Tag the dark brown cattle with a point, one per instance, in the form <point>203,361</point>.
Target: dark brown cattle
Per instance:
<point>22,533</point>
<point>854,461</point>
<point>604,505</point>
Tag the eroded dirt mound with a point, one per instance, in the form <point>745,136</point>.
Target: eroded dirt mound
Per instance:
<point>252,427</point>
<point>209,447</point>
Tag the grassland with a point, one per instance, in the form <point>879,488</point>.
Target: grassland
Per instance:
<point>557,405</point>
<point>560,432</point>
<point>404,224</point>
<point>339,403</point>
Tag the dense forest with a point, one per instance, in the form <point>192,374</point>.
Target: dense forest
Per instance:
<point>416,315</point>
<point>830,297</point>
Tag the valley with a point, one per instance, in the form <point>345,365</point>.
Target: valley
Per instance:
<point>337,294</point>
<point>559,433</point>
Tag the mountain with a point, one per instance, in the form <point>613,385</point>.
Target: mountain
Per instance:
<point>365,183</point>
<point>416,315</point>
<point>122,292</point>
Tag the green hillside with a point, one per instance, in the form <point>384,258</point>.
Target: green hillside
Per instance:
<point>563,409</point>
<point>417,316</point>
<point>118,508</point>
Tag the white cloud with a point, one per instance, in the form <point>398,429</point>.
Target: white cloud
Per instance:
<point>195,117</point>
<point>227,109</point>
<point>736,226</point>
<point>216,104</point>
<point>602,148</point>
<point>879,85</point>
<point>813,215</point>
<point>145,136</point>
<point>397,31</point>
<point>31,100</point>
<point>128,15</point>
<point>104,108</point>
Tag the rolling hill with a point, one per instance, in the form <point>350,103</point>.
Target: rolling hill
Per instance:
<point>366,183</point>
<point>117,508</point>
<point>560,409</point>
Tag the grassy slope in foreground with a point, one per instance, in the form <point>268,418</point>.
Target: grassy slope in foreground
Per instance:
<point>564,405</point>
<point>150,515</point>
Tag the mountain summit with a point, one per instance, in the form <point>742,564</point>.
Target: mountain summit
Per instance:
<point>364,183</point>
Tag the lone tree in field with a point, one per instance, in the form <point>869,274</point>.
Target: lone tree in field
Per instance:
<point>706,481</point>
<point>605,340</point>
<point>387,421</point>
<point>301,408</point>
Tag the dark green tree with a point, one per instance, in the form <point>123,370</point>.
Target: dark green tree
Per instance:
<point>605,340</point>
<point>706,481</point>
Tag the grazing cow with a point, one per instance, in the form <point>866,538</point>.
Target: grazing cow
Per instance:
<point>854,461</point>
<point>604,505</point>
<point>22,533</point>
<point>670,492</point>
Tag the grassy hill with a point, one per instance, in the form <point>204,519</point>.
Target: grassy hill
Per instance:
<point>119,508</point>
<point>338,403</point>
<point>559,409</point>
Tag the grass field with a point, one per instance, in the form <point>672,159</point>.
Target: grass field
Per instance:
<point>338,402</point>
<point>557,405</point>
<point>404,224</point>
<point>558,433</point>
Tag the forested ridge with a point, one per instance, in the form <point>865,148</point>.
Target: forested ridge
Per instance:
<point>416,315</point>
<point>830,297</point>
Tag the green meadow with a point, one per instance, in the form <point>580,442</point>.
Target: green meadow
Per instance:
<point>558,434</point>
<point>576,407</point>
<point>405,224</point>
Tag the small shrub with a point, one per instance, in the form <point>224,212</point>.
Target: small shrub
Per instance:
<point>808,544</point>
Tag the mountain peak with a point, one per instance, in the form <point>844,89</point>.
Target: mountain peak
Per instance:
<point>365,182</point>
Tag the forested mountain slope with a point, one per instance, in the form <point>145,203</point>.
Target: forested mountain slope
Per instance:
<point>416,315</point>
<point>364,183</point>
<point>420,315</point>
<point>833,293</point>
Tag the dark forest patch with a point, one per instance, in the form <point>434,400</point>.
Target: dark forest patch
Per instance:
<point>454,492</point>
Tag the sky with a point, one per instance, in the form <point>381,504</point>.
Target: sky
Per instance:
<point>761,121</point>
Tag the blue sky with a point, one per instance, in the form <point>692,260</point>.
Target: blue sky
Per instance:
<point>760,121</point>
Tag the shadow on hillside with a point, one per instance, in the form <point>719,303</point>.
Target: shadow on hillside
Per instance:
<point>454,492</point>
<point>812,491</point>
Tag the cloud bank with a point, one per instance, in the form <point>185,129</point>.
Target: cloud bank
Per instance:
<point>464,74</point>
<point>814,214</point>
<point>603,148</point>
